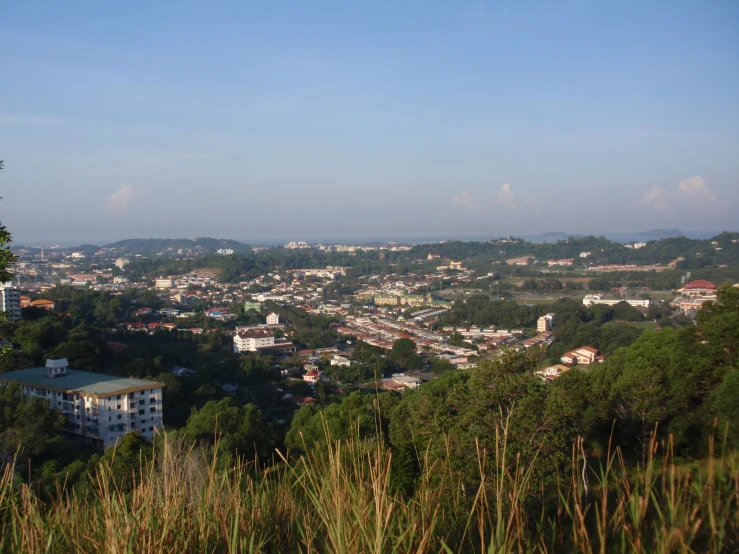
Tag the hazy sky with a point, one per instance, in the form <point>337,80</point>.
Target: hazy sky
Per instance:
<point>295,120</point>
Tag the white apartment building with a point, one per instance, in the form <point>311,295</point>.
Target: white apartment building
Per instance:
<point>164,283</point>
<point>120,263</point>
<point>256,341</point>
<point>10,300</point>
<point>273,319</point>
<point>252,341</point>
<point>102,407</point>
<point>591,299</point>
<point>544,323</point>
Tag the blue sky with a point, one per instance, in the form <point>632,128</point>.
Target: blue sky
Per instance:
<point>295,120</point>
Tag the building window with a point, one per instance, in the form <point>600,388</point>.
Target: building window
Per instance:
<point>152,400</point>
<point>142,402</point>
<point>151,429</point>
<point>142,412</point>
<point>119,416</point>
<point>153,409</point>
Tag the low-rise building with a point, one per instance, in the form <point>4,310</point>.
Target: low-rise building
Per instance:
<point>591,299</point>
<point>164,283</point>
<point>544,323</point>
<point>406,381</point>
<point>584,355</point>
<point>699,287</point>
<point>256,341</point>
<point>101,407</point>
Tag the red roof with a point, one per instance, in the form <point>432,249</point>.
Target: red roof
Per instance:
<point>700,284</point>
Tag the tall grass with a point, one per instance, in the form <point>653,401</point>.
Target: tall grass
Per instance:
<point>339,500</point>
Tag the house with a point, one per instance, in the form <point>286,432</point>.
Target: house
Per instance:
<point>406,381</point>
<point>584,355</point>
<point>273,319</point>
<point>290,372</point>
<point>143,311</point>
<point>25,301</point>
<point>340,361</point>
<point>169,312</point>
<point>552,372</point>
<point>178,371</point>
<point>42,303</point>
<point>313,376</point>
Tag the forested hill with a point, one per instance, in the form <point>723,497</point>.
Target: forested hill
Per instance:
<point>695,253</point>
<point>152,247</point>
<point>686,253</point>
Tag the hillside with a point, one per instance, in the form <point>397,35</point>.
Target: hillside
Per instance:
<point>152,247</point>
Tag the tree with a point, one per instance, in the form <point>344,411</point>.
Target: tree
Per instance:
<point>28,426</point>
<point>404,354</point>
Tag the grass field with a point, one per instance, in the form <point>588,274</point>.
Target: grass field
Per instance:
<point>339,499</point>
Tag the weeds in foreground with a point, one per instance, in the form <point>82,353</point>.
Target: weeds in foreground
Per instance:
<point>339,500</point>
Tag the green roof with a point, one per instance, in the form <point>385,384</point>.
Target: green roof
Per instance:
<point>75,380</point>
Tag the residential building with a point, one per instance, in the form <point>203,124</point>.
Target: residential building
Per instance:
<point>101,407</point>
<point>544,323</point>
<point>566,261</point>
<point>225,251</point>
<point>120,263</point>
<point>273,319</point>
<point>407,381</point>
<point>340,361</point>
<point>552,372</point>
<point>455,265</point>
<point>584,355</point>
<point>255,341</point>
<point>591,299</point>
<point>10,300</point>
<point>164,283</point>
<point>313,376</point>
<point>42,303</point>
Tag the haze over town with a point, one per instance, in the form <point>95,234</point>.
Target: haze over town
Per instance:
<point>265,122</point>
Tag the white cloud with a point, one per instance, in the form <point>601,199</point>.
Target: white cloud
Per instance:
<point>691,194</point>
<point>465,200</point>
<point>120,200</point>
<point>657,198</point>
<point>695,189</point>
<point>505,196</point>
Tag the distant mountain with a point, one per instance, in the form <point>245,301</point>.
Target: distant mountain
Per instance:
<point>152,247</point>
<point>554,235</point>
<point>661,233</point>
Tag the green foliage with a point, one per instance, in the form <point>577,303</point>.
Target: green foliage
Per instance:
<point>27,426</point>
<point>233,430</point>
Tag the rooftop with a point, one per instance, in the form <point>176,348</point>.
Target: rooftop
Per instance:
<point>75,380</point>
